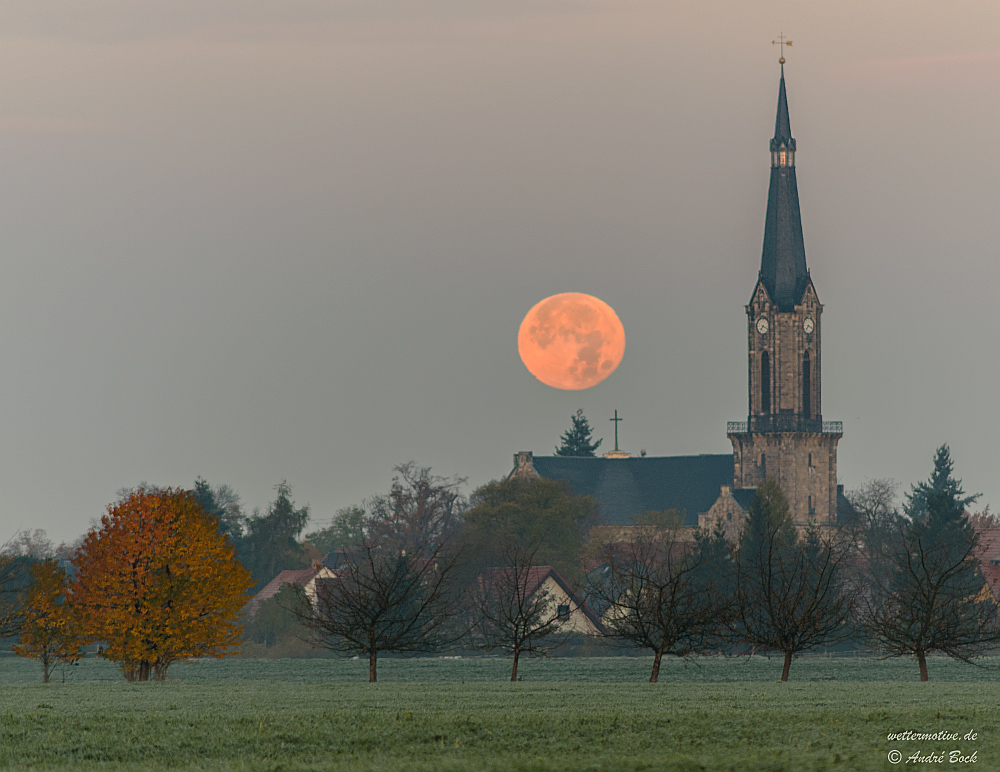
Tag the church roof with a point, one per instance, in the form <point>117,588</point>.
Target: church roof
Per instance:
<point>744,496</point>
<point>846,513</point>
<point>783,260</point>
<point>624,487</point>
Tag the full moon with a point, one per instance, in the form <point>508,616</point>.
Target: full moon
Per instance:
<point>571,341</point>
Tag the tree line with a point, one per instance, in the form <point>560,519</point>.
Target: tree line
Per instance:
<point>165,574</point>
<point>904,583</point>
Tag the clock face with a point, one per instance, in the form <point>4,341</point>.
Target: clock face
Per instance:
<point>762,325</point>
<point>808,325</point>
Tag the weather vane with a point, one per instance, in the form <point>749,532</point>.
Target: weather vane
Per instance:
<point>781,42</point>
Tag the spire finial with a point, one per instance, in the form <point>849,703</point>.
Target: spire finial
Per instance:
<point>781,41</point>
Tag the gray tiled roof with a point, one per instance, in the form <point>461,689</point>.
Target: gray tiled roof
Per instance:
<point>626,486</point>
<point>744,496</point>
<point>846,513</point>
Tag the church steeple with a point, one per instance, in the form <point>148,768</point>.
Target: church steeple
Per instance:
<point>785,437</point>
<point>783,261</point>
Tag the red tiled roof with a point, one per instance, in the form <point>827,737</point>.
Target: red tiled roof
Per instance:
<point>300,576</point>
<point>988,547</point>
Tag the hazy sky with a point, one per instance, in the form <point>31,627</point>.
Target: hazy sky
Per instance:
<point>257,241</point>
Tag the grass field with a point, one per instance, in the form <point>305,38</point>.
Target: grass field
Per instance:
<point>435,714</point>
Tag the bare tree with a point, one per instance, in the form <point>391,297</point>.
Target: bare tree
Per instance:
<point>984,520</point>
<point>877,527</point>
<point>664,593</point>
<point>791,593</point>
<point>932,595</point>
<point>933,599</point>
<point>386,599</point>
<point>420,508</point>
<point>29,543</point>
<point>511,609</point>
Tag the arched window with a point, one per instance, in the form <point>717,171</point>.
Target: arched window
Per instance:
<point>765,383</point>
<point>806,386</point>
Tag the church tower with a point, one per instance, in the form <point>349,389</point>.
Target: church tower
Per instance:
<point>784,436</point>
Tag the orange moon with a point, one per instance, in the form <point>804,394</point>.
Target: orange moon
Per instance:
<point>571,341</point>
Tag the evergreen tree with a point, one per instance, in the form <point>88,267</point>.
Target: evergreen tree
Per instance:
<point>576,441</point>
<point>941,481</point>
<point>933,596</point>
<point>223,504</point>
<point>271,542</point>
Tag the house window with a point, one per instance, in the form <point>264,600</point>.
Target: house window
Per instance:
<point>811,510</point>
<point>781,158</point>
<point>810,460</point>
<point>562,611</point>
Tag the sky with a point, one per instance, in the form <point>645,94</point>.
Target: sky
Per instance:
<point>259,241</point>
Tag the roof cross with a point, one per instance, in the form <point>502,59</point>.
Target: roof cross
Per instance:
<point>616,419</point>
<point>781,41</point>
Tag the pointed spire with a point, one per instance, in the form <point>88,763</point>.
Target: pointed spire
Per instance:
<point>782,127</point>
<point>783,261</point>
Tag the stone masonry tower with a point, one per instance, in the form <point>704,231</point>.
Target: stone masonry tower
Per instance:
<point>785,436</point>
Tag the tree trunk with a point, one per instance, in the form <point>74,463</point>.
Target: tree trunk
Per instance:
<point>655,675</point>
<point>788,665</point>
<point>372,665</point>
<point>143,674</point>
<point>46,668</point>
<point>513,672</point>
<point>922,660</point>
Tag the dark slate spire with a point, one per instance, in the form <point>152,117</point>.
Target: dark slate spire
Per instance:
<point>782,127</point>
<point>783,262</point>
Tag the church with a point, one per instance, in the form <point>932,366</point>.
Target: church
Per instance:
<point>784,435</point>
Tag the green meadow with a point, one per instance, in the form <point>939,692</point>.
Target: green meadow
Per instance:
<point>448,714</point>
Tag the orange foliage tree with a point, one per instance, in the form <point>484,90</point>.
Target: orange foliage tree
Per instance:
<point>49,629</point>
<point>159,583</point>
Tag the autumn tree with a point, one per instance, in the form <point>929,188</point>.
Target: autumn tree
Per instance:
<point>791,590</point>
<point>933,596</point>
<point>50,632</point>
<point>512,611</point>
<point>576,440</point>
<point>663,592</point>
<point>159,583</point>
